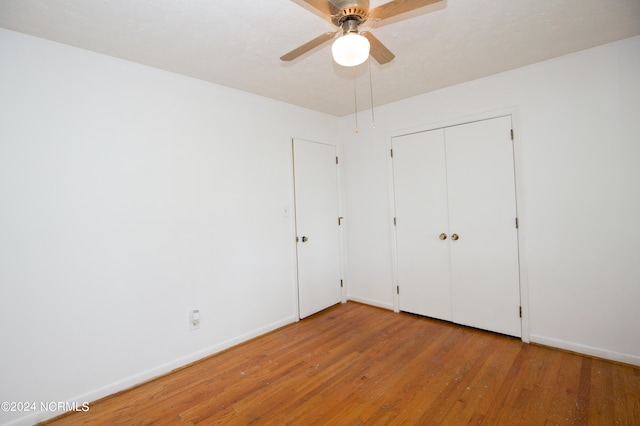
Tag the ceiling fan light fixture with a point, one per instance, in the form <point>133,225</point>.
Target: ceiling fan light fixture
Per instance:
<point>350,49</point>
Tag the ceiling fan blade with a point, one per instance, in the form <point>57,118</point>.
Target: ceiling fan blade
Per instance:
<point>378,50</point>
<point>298,51</point>
<point>396,7</point>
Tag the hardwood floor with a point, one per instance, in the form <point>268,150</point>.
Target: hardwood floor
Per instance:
<point>354,364</point>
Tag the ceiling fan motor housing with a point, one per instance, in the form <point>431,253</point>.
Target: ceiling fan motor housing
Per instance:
<point>351,14</point>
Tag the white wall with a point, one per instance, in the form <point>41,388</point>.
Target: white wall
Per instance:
<point>128,197</point>
<point>578,140</point>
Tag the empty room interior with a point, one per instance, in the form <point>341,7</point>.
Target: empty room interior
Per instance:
<point>203,187</point>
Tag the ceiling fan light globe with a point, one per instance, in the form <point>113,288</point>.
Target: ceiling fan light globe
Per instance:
<point>350,50</point>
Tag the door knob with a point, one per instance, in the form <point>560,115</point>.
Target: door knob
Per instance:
<point>443,236</point>
<point>454,237</point>
<point>305,239</point>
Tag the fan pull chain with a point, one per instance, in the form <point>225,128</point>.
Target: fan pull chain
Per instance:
<point>373,118</point>
<point>355,97</point>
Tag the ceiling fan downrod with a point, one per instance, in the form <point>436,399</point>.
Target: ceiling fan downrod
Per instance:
<point>350,25</point>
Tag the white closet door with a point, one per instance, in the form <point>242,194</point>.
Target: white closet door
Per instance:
<point>482,212</point>
<point>318,247</point>
<point>420,189</point>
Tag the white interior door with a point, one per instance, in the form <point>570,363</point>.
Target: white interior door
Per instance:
<point>318,246</point>
<point>420,189</point>
<point>482,212</point>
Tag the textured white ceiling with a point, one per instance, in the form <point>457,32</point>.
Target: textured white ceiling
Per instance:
<point>237,43</point>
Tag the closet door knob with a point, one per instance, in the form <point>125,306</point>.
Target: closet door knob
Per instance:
<point>443,236</point>
<point>454,237</point>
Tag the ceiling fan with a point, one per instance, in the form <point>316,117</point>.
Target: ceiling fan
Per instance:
<point>354,47</point>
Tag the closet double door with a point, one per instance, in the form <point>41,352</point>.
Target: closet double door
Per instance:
<point>456,236</point>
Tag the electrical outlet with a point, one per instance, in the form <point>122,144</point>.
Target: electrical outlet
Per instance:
<point>194,319</point>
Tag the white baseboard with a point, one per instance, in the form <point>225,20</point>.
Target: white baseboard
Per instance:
<point>147,375</point>
<point>586,350</point>
<point>371,302</point>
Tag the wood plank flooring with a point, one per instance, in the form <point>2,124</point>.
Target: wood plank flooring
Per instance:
<point>354,364</point>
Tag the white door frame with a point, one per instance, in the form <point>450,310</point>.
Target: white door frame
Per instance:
<point>520,201</point>
<point>341,228</point>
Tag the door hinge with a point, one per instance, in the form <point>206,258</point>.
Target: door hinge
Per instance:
<point>341,284</point>
<point>517,223</point>
<point>394,221</point>
<point>336,159</point>
<point>397,289</point>
<point>340,220</point>
<point>520,311</point>
<point>391,152</point>
<point>511,134</point>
